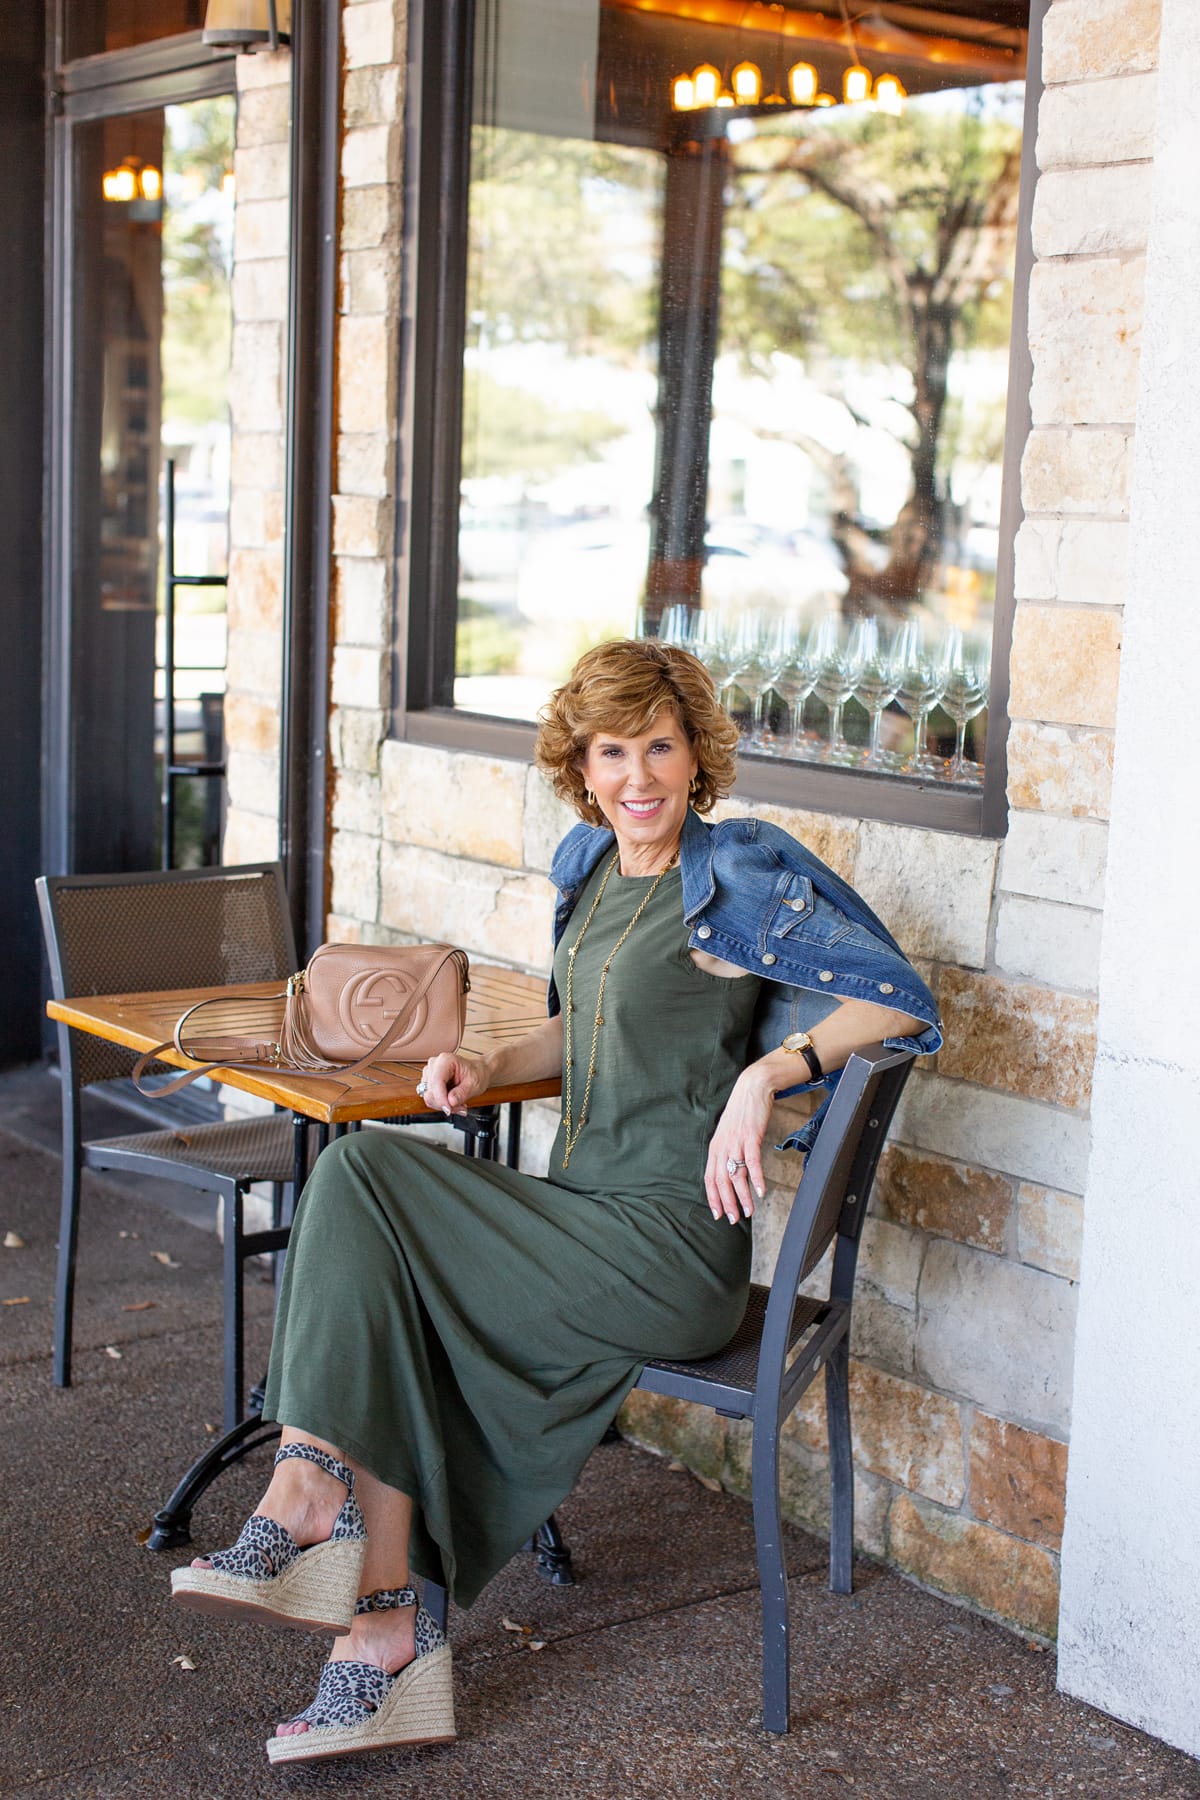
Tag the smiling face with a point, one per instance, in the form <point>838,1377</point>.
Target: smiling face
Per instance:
<point>641,787</point>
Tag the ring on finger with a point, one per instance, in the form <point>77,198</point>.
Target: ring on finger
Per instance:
<point>420,1087</point>
<point>734,1163</point>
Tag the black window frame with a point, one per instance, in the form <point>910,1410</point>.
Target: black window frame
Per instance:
<point>437,149</point>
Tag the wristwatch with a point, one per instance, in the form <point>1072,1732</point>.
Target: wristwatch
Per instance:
<point>798,1043</point>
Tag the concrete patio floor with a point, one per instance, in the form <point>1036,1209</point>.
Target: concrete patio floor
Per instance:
<point>648,1682</point>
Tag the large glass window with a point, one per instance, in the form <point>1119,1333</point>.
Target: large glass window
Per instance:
<point>93,26</point>
<point>738,296</point>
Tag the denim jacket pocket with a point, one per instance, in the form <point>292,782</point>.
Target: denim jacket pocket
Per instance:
<point>793,905</point>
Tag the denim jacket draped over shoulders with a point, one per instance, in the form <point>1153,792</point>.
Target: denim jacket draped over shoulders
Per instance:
<point>755,897</point>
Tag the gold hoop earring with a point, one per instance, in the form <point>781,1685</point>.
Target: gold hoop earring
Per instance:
<point>693,784</point>
<point>589,796</point>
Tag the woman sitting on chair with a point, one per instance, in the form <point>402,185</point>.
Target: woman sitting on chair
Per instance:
<point>454,1336</point>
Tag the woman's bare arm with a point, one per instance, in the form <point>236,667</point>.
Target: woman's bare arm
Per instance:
<point>453,1079</point>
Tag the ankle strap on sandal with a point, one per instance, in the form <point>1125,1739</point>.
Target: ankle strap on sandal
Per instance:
<point>385,1599</point>
<point>323,1460</point>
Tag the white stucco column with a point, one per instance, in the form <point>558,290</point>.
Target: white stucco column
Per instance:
<point>1130,1617</point>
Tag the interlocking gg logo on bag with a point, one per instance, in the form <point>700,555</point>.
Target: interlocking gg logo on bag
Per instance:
<point>371,1000</point>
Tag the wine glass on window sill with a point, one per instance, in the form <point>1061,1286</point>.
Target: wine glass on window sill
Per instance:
<point>794,683</point>
<point>964,696</point>
<point>922,683</point>
<point>879,672</point>
<point>772,651</point>
<point>711,643</point>
<point>835,653</point>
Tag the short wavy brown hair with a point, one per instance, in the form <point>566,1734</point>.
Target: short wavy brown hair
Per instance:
<point>621,687</point>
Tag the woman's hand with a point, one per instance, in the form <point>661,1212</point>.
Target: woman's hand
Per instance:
<point>450,1079</point>
<point>739,1138</point>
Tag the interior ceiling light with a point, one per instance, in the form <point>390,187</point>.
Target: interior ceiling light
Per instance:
<point>705,86</point>
<point>247,25</point>
<point>133,181</point>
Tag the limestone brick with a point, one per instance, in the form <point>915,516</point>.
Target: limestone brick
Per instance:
<point>249,837</point>
<point>255,590</point>
<point>362,526</point>
<point>355,736</point>
<point>371,154</point>
<point>1011,1035</point>
<point>1047,942</point>
<point>274,518</point>
<point>493,914</point>
<point>362,599</point>
<point>1055,770</point>
<point>1018,1479</point>
<point>260,289</point>
<point>369,34</point>
<point>251,724</point>
<point>359,678</point>
<point>366,374</point>
<point>804,1485</point>
<point>1093,562</point>
<point>955,1555</point>
<point>834,840</point>
<point>932,889</point>
<point>356,803</point>
<point>252,782</point>
<point>1003,1132</point>
<point>1035,559</point>
<point>265,69</point>
<point>885,1317</point>
<point>256,377</point>
<point>1065,665</point>
<point>264,114</point>
<point>907,1434</point>
<point>373,95</point>
<point>262,171</point>
<point>1055,859</point>
<point>1085,40</point>
<point>694,1434</point>
<point>369,280</point>
<point>944,1198</point>
<point>256,459</point>
<point>1097,122</point>
<point>462,804</point>
<point>247,519</point>
<point>370,217</point>
<point>254,664</point>
<point>1092,212</point>
<point>260,228</point>
<point>546,821</point>
<point>365,463</point>
<point>1085,330</point>
<point>354,875</point>
<point>1076,471</point>
<point>1049,1229</point>
<point>1020,1365</point>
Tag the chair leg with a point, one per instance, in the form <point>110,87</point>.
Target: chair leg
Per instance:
<point>68,1240</point>
<point>841,1468</point>
<point>772,1575</point>
<point>234,1372</point>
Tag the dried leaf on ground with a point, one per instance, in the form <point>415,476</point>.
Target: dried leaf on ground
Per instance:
<point>535,1643</point>
<point>675,1467</point>
<point>21,1300</point>
<point>13,1242</point>
<point>706,1481</point>
<point>211,1429</point>
<point>168,1262</point>
<point>139,1306</point>
<point>521,1630</point>
<point>111,1350</point>
<point>183,1662</point>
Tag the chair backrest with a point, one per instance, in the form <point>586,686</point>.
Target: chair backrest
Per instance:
<point>114,934</point>
<point>836,1184</point>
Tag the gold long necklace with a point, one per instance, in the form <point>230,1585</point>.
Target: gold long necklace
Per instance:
<point>572,1137</point>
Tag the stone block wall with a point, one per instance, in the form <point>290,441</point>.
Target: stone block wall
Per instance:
<point>965,1317</point>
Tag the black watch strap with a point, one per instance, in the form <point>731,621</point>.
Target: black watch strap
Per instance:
<point>814,1063</point>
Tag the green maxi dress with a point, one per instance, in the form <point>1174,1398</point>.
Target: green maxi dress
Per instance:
<point>467,1331</point>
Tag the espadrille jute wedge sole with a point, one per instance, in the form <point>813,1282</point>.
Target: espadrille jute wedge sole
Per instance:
<point>418,1708</point>
<point>268,1577</point>
<point>314,1593</point>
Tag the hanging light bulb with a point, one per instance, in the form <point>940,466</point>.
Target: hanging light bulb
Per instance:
<point>802,84</point>
<point>890,95</point>
<point>706,85</point>
<point>747,84</point>
<point>120,184</point>
<point>683,93</point>
<point>856,85</point>
<point>150,182</point>
<point>824,100</point>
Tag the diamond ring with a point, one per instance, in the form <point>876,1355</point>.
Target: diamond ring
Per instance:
<point>734,1163</point>
<point>420,1087</point>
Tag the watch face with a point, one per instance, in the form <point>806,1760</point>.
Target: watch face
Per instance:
<point>796,1040</point>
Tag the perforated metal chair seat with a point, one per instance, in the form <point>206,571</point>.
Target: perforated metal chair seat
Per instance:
<point>736,1366</point>
<point>243,1150</point>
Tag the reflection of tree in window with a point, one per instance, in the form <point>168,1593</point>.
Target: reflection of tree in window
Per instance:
<point>871,242</point>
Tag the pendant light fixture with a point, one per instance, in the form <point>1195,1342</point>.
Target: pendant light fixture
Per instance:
<point>248,25</point>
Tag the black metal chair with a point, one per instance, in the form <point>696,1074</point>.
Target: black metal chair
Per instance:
<point>109,934</point>
<point>786,1339</point>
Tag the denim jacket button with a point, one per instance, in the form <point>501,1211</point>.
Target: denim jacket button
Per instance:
<point>704,931</point>
<point>885,987</point>
<point>796,905</point>
<point>825,975</point>
<point>768,959</point>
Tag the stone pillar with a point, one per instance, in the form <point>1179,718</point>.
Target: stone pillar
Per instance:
<point>1130,1615</point>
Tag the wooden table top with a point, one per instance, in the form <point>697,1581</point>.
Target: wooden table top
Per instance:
<point>502,1004</point>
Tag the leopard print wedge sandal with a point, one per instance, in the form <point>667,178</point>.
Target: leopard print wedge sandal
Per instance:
<point>360,1707</point>
<point>266,1576</point>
